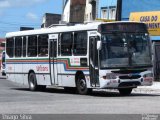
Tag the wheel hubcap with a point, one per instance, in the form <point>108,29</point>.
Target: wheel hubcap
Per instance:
<point>32,82</point>
<point>82,84</point>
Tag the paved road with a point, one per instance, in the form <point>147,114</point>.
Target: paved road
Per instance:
<point>16,99</point>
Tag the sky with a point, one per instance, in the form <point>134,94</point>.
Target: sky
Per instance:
<point>28,13</point>
<point>138,6</point>
<point>17,13</point>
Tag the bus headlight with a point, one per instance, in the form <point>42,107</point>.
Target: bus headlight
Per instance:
<point>148,77</point>
<point>110,76</point>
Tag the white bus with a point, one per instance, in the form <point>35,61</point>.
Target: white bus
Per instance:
<point>115,55</point>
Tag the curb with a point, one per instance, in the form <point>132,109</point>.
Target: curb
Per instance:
<point>155,86</point>
<point>3,77</point>
<point>145,90</point>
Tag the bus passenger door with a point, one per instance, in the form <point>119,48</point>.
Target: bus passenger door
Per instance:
<point>93,59</point>
<point>53,58</point>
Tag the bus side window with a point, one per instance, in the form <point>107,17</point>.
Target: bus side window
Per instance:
<point>32,46</point>
<point>59,44</point>
<point>80,43</point>
<point>66,44</point>
<point>18,46</point>
<point>10,47</point>
<point>43,45</point>
<point>24,46</point>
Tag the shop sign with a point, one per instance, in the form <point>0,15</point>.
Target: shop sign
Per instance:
<point>151,19</point>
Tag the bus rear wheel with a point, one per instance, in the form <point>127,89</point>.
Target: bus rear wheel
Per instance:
<point>82,85</point>
<point>125,91</point>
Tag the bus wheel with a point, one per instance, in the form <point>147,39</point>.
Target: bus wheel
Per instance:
<point>81,85</point>
<point>32,81</point>
<point>125,91</point>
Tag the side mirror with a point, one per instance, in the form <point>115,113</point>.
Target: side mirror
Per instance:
<point>99,45</point>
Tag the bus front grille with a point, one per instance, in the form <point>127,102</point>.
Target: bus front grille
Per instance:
<point>129,84</point>
<point>130,77</point>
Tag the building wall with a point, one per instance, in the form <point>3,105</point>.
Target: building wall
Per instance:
<point>108,9</point>
<point>74,11</point>
<point>108,13</point>
<point>49,19</point>
<point>77,11</point>
<point>66,11</point>
<point>88,11</point>
<point>91,11</point>
<point>104,13</point>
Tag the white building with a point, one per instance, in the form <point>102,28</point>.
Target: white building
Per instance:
<point>49,19</point>
<point>74,11</point>
<point>108,13</point>
<point>92,9</point>
<point>66,11</point>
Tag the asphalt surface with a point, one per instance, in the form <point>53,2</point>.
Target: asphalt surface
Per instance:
<point>17,99</point>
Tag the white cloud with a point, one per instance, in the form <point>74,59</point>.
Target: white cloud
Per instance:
<point>19,3</point>
<point>32,16</point>
<point>4,4</point>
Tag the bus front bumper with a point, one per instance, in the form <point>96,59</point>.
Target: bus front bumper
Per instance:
<point>127,83</point>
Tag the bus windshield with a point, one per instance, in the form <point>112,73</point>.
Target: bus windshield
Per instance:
<point>121,49</point>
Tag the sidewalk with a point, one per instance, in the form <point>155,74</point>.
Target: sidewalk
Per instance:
<point>155,88</point>
<point>2,77</point>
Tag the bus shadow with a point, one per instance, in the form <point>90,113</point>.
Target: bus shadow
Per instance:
<point>116,94</point>
<point>47,90</point>
<point>93,94</point>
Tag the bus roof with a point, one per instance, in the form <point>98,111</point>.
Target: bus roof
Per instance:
<point>57,29</point>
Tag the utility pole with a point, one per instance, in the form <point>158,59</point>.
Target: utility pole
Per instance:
<point>119,10</point>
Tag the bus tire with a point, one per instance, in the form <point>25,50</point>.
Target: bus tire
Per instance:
<point>81,85</point>
<point>125,91</point>
<point>32,81</point>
